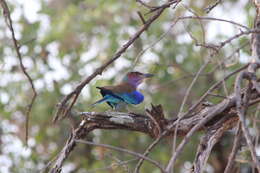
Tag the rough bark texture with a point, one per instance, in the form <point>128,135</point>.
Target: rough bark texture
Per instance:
<point>218,118</point>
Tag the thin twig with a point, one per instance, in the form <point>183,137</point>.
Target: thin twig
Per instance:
<point>232,155</point>
<point>146,5</point>
<point>216,19</point>
<point>111,166</point>
<point>148,149</point>
<point>141,17</point>
<point>212,6</point>
<point>125,151</point>
<point>212,88</point>
<point>180,113</point>
<point>9,23</point>
<point>184,18</point>
<point>155,42</point>
<point>217,95</point>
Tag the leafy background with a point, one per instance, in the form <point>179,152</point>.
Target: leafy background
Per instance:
<point>62,42</point>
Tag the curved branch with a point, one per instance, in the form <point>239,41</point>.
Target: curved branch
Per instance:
<point>9,23</point>
<point>124,151</point>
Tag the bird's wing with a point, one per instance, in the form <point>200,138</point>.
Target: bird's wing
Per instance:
<point>120,92</point>
<point>118,89</point>
<point>107,92</point>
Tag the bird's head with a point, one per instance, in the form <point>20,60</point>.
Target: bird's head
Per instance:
<point>135,78</point>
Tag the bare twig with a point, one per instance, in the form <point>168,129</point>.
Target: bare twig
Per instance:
<point>112,165</point>
<point>155,42</point>
<point>147,151</point>
<point>141,17</point>
<point>180,113</point>
<point>231,158</point>
<point>212,6</point>
<point>146,5</point>
<point>214,19</point>
<point>9,23</point>
<point>212,88</point>
<point>158,165</point>
<point>216,47</point>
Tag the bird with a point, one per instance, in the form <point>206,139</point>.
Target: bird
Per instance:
<point>117,96</point>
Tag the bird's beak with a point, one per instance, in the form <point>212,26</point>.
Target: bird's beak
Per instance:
<point>148,75</point>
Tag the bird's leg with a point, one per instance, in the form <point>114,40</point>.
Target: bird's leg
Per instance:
<point>127,109</point>
<point>120,107</point>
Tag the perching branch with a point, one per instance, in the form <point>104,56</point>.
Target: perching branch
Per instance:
<point>144,124</point>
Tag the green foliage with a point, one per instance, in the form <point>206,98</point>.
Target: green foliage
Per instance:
<point>70,39</point>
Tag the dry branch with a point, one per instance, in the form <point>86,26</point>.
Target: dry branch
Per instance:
<point>9,23</point>
<point>124,151</point>
<point>144,124</point>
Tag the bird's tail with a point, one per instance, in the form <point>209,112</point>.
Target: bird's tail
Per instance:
<point>99,101</point>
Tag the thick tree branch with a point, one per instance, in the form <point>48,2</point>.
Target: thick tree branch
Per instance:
<point>144,124</point>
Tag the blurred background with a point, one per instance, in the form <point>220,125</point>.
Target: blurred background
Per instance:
<point>62,42</point>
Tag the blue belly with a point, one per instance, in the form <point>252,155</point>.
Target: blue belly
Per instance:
<point>134,97</point>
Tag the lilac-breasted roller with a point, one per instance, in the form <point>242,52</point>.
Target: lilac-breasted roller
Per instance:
<point>125,92</point>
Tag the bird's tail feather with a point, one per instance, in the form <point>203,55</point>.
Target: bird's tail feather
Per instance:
<point>99,101</point>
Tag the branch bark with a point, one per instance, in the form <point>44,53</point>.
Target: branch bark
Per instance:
<point>204,117</point>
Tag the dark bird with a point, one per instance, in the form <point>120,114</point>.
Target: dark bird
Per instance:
<point>125,92</point>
